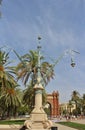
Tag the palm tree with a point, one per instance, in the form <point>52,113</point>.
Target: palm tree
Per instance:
<point>6,72</point>
<point>70,105</point>
<point>83,103</point>
<point>75,97</point>
<point>10,100</point>
<point>84,98</point>
<point>28,97</point>
<point>28,68</point>
<point>8,94</point>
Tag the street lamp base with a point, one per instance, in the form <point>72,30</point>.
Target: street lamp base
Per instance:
<point>38,125</point>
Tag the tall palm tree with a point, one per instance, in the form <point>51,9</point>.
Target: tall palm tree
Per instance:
<point>28,96</point>
<point>8,96</point>
<point>28,68</point>
<point>83,103</point>
<point>6,72</point>
<point>10,99</point>
<point>70,105</point>
<point>75,97</point>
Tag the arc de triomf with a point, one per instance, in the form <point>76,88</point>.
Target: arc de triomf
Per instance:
<point>53,101</point>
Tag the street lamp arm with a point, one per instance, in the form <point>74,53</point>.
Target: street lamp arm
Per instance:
<point>56,62</point>
<point>76,51</point>
<point>62,55</point>
<point>20,59</point>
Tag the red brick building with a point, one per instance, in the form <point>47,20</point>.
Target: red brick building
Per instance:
<point>53,101</point>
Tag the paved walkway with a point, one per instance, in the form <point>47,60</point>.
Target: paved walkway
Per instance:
<point>81,121</point>
<point>60,127</point>
<point>13,127</point>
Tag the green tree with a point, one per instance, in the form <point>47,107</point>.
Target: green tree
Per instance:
<point>83,103</point>
<point>70,106</point>
<point>8,86</point>
<point>28,97</point>
<point>28,68</point>
<point>6,72</point>
<point>10,100</point>
<point>76,98</point>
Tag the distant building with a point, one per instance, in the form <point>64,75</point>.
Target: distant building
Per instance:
<point>67,108</point>
<point>53,103</point>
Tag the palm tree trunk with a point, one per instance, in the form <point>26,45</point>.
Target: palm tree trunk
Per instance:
<point>8,112</point>
<point>15,112</point>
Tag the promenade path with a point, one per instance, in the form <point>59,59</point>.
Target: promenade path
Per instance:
<point>60,127</point>
<point>7,127</point>
<point>81,121</point>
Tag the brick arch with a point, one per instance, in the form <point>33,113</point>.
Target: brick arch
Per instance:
<point>53,100</point>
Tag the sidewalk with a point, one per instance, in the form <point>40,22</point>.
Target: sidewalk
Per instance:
<point>60,127</point>
<point>81,121</point>
<point>11,127</point>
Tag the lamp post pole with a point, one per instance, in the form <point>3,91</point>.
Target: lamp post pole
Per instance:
<point>38,86</point>
<point>38,117</point>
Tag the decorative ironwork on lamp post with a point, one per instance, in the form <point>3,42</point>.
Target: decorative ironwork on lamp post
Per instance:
<point>39,62</point>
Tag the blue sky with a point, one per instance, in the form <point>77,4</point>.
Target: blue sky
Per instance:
<point>60,23</point>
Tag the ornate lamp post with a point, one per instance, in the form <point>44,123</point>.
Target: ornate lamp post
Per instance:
<point>38,117</point>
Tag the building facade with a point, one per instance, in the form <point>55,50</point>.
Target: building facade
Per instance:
<point>53,103</point>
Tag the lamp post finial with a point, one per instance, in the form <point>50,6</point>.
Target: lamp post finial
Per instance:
<point>39,38</point>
